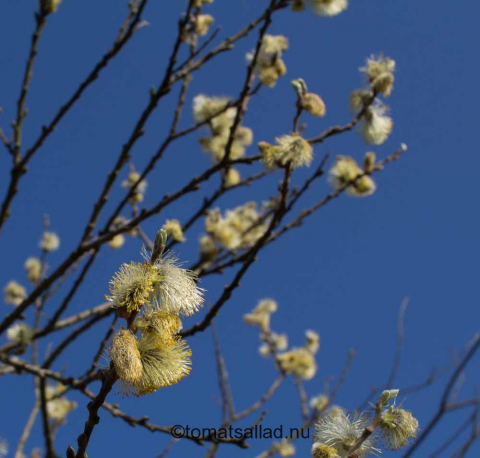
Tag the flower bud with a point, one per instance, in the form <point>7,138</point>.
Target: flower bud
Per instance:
<point>369,162</point>
<point>126,357</point>
<point>314,104</point>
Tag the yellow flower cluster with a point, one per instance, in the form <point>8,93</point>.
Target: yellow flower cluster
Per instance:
<point>284,448</point>
<point>14,293</point>
<point>132,286</point>
<point>375,125</point>
<point>321,7</point>
<point>159,358</point>
<point>199,27</point>
<point>309,101</point>
<point>174,230</point>
<point>33,267</point>
<point>239,228</point>
<point>269,64</point>
<point>379,72</point>
<point>260,315</point>
<point>220,117</point>
<point>140,188</point>
<point>398,426</point>
<point>290,149</point>
<point>346,172</point>
<point>50,241</point>
<point>58,406</point>
<point>297,361</point>
<point>152,296</point>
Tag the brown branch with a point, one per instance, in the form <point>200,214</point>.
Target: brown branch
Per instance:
<point>23,366</point>
<point>249,259</point>
<point>144,423</point>
<point>40,19</point>
<point>335,130</point>
<point>20,168</point>
<point>108,380</point>
<point>139,127</point>
<point>355,450</point>
<point>103,310</point>
<point>47,429</point>
<point>209,201</point>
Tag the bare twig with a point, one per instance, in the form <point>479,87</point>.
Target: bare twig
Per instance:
<point>444,406</point>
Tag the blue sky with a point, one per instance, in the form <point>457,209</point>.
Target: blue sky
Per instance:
<point>344,273</point>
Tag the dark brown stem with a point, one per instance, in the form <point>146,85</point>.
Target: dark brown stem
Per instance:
<point>109,379</point>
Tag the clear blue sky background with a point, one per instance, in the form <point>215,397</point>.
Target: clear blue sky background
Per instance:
<point>343,274</point>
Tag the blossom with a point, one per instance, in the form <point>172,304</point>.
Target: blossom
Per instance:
<point>227,235</point>
<point>132,286</point>
<point>232,177</point>
<point>205,107</point>
<point>165,362</point>
<point>319,402</point>
<point>20,333</point>
<point>240,227</point>
<point>284,448</point>
<point>379,72</point>
<point>203,23</point>
<point>175,288</point>
<point>290,149</point>
<point>277,341</point>
<point>51,6</point>
<point>398,427</point>
<point>221,119</point>
<point>272,46</point>
<point>50,241</point>
<point>157,322</point>
<point>58,406</point>
<point>117,241</point>
<point>14,293</point>
<point>328,7</point>
<point>299,362</point>
<point>174,230</point>
<point>360,98</point>
<point>323,451</point>
<point>199,3</point>
<point>260,316</point>
<point>340,432</point>
<point>3,448</point>
<point>313,104</point>
<point>269,64</point>
<point>125,357</point>
<point>33,266</point>
<point>346,172</point>
<point>157,359</point>
<point>140,188</point>
<point>313,341</point>
<point>369,162</point>
<point>217,143</point>
<point>375,126</point>
<point>208,249</point>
